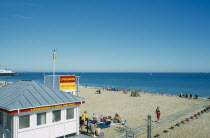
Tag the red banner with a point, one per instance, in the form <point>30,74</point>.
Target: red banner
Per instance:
<point>67,79</point>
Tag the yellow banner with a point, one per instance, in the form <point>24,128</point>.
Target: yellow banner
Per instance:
<point>49,107</point>
<point>67,86</point>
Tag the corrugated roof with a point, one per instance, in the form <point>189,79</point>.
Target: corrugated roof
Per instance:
<point>30,94</point>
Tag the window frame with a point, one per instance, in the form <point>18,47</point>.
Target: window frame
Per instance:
<point>36,124</point>
<point>53,115</point>
<point>29,121</point>
<point>67,113</point>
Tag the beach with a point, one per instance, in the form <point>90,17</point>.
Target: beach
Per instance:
<point>196,128</point>
<point>136,109</point>
<point>2,83</point>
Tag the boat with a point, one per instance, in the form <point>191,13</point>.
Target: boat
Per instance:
<point>7,72</point>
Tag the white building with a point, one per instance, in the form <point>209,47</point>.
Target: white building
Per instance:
<point>31,110</point>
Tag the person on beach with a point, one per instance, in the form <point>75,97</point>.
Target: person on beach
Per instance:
<point>98,91</point>
<point>82,121</point>
<point>186,95</point>
<point>98,131</point>
<point>125,91</point>
<point>158,113</point>
<point>94,116</point>
<point>191,95</point>
<point>196,96</point>
<point>102,118</point>
<point>117,118</point>
<point>93,127</point>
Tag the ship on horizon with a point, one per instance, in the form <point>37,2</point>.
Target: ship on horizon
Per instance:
<point>7,72</point>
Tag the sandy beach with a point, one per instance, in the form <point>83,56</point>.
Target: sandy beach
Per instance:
<point>135,110</point>
<point>196,128</point>
<point>2,83</point>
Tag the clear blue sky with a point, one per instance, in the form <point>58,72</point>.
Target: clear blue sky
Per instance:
<point>105,35</point>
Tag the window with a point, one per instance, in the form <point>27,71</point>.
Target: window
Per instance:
<point>56,116</point>
<point>41,118</point>
<point>24,121</point>
<point>9,120</point>
<point>70,113</point>
<point>1,118</point>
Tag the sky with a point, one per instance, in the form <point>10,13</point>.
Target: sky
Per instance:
<point>105,35</point>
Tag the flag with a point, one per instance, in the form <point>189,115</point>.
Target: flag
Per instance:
<point>54,56</point>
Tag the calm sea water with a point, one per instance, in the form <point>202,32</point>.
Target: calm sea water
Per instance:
<point>165,83</point>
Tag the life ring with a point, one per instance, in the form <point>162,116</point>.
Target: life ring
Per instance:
<point>187,119</point>
<point>183,122</point>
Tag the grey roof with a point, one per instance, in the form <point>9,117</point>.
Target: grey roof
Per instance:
<point>30,94</point>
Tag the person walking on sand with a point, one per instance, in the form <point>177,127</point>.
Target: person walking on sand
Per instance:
<point>158,113</point>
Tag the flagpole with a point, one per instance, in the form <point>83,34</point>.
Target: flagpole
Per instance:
<point>54,57</point>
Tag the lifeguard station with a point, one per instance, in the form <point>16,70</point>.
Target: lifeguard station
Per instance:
<point>32,110</point>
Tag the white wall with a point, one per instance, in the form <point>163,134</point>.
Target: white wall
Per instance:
<point>50,129</point>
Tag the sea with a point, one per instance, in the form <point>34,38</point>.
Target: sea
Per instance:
<point>163,83</point>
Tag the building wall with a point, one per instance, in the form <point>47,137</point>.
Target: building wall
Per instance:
<point>50,129</point>
<point>5,131</point>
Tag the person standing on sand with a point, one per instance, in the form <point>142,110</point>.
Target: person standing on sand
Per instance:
<point>83,118</point>
<point>158,113</point>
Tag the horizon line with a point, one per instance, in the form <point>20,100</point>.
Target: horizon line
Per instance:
<point>100,72</point>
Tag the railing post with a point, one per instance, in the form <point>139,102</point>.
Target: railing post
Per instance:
<point>87,125</point>
<point>149,126</point>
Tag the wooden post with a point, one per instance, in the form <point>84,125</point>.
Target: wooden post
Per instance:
<point>149,126</point>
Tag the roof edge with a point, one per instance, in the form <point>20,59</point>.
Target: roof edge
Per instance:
<point>29,109</point>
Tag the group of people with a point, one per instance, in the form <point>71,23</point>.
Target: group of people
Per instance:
<point>107,119</point>
<point>188,96</point>
<point>95,129</point>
